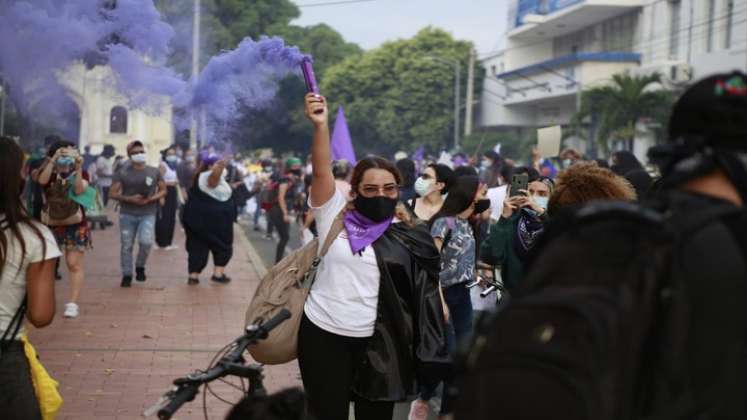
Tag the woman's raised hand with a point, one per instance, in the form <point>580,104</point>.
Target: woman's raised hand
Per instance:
<point>316,109</point>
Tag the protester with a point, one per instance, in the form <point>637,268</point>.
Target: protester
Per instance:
<point>282,195</point>
<point>208,219</point>
<point>431,187</point>
<point>166,216</point>
<point>512,237</point>
<point>544,166</point>
<point>105,172</point>
<point>625,164</point>
<point>61,176</point>
<point>406,167</point>
<point>341,172</point>
<point>28,252</point>
<point>569,157</point>
<point>490,169</point>
<point>138,188</point>
<point>185,171</point>
<point>586,182</point>
<point>87,157</point>
<point>362,337</point>
<point>454,236</point>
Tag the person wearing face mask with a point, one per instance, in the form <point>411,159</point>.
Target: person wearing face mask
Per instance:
<point>60,175</point>
<point>373,322</point>
<point>520,226</point>
<point>208,220</point>
<point>454,235</point>
<point>185,171</point>
<point>138,187</point>
<point>490,168</point>
<point>166,216</point>
<point>431,187</point>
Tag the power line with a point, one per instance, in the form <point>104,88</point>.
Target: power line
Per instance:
<point>333,3</point>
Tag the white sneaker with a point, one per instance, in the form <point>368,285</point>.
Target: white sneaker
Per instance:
<point>71,310</point>
<point>171,248</point>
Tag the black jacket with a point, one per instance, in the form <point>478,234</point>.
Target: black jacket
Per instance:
<point>409,339</point>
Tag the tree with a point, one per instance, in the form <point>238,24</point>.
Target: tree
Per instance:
<point>395,97</point>
<point>621,104</point>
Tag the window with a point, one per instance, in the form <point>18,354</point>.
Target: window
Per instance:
<point>729,23</point>
<point>711,17</point>
<point>118,120</point>
<point>674,29</point>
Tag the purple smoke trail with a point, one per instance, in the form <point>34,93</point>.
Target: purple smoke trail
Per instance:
<point>41,39</point>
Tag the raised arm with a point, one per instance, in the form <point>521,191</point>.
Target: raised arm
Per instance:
<point>323,183</point>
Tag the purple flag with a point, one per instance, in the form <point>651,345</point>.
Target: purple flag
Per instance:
<point>342,145</point>
<point>419,153</point>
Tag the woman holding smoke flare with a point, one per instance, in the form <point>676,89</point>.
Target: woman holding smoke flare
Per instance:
<point>373,321</point>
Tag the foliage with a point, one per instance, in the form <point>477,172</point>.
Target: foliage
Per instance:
<point>619,105</point>
<point>395,97</point>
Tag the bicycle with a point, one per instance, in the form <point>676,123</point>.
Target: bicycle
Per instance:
<point>231,363</point>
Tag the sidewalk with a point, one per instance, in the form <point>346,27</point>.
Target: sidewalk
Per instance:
<point>127,346</point>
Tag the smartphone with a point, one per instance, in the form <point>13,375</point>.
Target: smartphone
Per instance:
<point>518,183</point>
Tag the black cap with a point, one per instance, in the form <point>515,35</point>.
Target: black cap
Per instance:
<point>713,111</point>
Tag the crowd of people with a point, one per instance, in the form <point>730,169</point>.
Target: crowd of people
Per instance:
<point>414,237</point>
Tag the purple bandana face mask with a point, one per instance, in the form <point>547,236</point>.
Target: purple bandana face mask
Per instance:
<point>362,231</point>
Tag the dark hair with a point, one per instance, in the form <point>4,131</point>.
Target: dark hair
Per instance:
<point>373,162</point>
<point>491,154</point>
<point>11,203</point>
<point>602,163</point>
<point>465,171</point>
<point>51,139</point>
<point>624,162</point>
<point>461,196</point>
<point>340,169</point>
<point>108,151</point>
<point>59,144</point>
<point>531,172</point>
<point>443,174</point>
<point>134,143</point>
<point>165,151</point>
<point>406,168</point>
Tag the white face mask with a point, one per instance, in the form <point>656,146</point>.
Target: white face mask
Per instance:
<point>422,186</point>
<point>138,158</point>
<point>541,201</point>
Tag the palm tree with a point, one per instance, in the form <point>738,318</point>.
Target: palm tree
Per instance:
<point>619,105</point>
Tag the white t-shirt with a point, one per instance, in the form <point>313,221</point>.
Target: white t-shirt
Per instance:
<point>13,279</point>
<point>169,175</point>
<point>345,295</point>
<point>104,171</point>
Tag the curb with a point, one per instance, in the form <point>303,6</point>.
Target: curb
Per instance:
<point>257,263</point>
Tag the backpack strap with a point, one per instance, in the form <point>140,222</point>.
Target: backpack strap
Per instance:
<point>334,231</point>
<point>15,326</point>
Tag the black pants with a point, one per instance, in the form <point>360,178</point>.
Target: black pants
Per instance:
<point>328,365</point>
<point>198,252</point>
<point>17,398</point>
<point>105,195</point>
<point>275,219</point>
<point>166,219</point>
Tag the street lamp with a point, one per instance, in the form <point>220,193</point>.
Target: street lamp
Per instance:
<point>457,77</point>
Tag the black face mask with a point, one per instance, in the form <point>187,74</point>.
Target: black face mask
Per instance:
<point>481,205</point>
<point>376,208</point>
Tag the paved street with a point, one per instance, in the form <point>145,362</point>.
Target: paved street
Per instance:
<point>128,345</point>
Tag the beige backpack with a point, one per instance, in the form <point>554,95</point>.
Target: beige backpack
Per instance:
<point>286,286</point>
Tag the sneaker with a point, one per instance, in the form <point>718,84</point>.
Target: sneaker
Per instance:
<point>140,274</point>
<point>224,279</point>
<point>418,410</point>
<point>71,310</point>
<point>126,281</point>
<point>171,248</point>
<point>191,281</point>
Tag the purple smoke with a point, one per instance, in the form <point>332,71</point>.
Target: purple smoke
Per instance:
<point>40,39</point>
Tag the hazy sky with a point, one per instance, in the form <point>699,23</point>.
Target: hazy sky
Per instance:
<point>369,24</point>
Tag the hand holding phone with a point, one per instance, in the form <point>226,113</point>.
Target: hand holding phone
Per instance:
<point>519,183</point>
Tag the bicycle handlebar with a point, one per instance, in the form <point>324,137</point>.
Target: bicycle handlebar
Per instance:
<point>186,388</point>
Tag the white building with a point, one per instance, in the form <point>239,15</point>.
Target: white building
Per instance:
<point>556,48</point>
<point>106,119</point>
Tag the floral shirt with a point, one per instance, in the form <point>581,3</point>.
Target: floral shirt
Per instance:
<point>458,256</point>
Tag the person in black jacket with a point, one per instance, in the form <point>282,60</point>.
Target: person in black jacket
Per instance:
<point>373,323</point>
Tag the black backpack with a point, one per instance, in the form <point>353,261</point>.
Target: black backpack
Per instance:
<point>598,329</point>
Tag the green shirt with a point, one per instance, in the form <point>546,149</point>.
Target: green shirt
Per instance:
<point>498,249</point>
